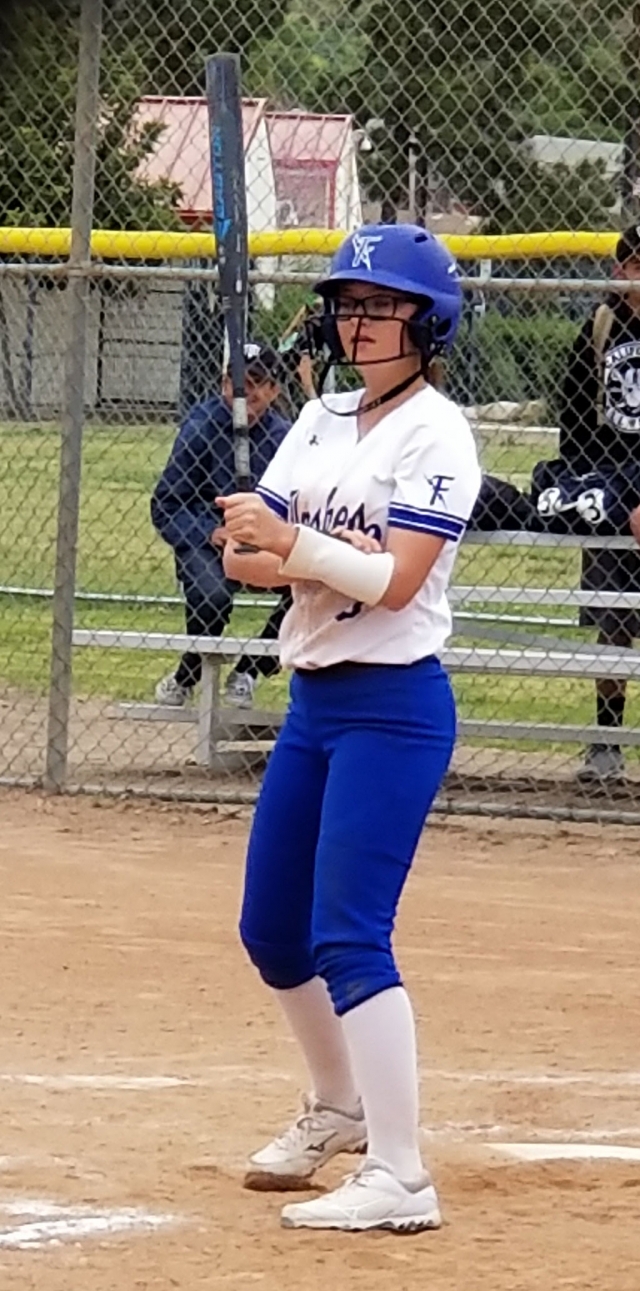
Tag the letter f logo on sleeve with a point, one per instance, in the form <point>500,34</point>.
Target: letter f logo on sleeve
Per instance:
<point>439,485</point>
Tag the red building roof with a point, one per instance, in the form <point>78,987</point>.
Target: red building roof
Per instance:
<point>182,152</point>
<point>306,152</point>
<point>307,149</point>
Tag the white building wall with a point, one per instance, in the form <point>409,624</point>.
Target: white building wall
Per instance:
<point>261,201</point>
<point>348,202</point>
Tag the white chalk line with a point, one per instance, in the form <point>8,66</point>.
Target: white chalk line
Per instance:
<point>542,1152</point>
<point>230,1073</point>
<point>597,1079</point>
<point>123,1083</point>
<point>45,1224</point>
<point>227,1074</point>
<point>452,1131</point>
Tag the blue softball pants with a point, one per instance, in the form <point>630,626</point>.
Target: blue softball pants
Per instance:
<point>357,765</point>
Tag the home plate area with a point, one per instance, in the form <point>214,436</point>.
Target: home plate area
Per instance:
<point>32,1224</point>
<point>142,1060</point>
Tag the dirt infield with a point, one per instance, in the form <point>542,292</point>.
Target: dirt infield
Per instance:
<point>141,1059</point>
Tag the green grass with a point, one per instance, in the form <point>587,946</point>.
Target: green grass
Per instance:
<point>118,549</point>
<point>119,552</point>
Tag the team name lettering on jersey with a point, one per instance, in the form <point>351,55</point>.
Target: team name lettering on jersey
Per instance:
<point>415,473</point>
<point>326,518</point>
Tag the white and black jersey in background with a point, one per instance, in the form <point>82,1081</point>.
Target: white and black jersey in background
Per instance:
<point>600,431</point>
<point>600,403</point>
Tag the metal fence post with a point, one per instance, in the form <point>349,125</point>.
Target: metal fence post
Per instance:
<point>87,108</point>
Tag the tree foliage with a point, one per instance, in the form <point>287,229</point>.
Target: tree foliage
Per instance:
<point>149,47</point>
<point>38,81</point>
<point>173,38</point>
<point>475,79</point>
<point>472,80</point>
<point>311,60</point>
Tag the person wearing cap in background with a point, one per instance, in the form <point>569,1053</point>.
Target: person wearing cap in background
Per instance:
<point>600,431</point>
<point>183,511</point>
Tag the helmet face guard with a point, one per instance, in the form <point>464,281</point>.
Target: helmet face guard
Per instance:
<point>423,331</point>
<point>404,259</point>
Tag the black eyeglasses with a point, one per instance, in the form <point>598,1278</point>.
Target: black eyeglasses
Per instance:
<point>377,305</point>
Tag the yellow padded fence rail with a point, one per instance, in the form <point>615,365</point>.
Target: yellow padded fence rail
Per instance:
<point>118,244</point>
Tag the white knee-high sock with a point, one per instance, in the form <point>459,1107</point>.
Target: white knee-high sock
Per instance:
<point>319,1033</point>
<point>381,1036</point>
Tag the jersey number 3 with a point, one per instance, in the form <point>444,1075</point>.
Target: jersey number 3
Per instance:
<point>349,614</point>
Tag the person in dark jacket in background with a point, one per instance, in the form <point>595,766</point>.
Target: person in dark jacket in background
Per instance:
<point>183,511</point>
<point>600,430</point>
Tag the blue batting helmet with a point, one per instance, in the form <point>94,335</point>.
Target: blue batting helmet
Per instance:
<point>406,258</point>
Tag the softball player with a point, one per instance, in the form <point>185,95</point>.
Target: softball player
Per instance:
<point>391,470</point>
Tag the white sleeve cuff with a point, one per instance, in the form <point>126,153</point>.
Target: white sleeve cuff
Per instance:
<point>357,574</point>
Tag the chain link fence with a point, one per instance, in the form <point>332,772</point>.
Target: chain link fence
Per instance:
<point>510,129</point>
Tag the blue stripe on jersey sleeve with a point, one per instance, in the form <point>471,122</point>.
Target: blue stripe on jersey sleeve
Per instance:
<point>274,502</point>
<point>444,526</point>
<point>425,512</point>
<point>434,527</point>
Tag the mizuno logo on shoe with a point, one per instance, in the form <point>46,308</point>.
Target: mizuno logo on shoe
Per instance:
<point>320,1147</point>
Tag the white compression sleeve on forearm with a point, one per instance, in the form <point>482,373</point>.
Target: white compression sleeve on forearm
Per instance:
<point>357,574</point>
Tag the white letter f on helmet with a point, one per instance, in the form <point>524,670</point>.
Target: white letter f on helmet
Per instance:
<point>363,248</point>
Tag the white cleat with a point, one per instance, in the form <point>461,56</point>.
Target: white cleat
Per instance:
<point>371,1198</point>
<point>239,689</point>
<point>319,1133</point>
<point>171,694</point>
<point>603,762</point>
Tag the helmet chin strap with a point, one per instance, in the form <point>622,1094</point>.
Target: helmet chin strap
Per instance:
<point>374,403</point>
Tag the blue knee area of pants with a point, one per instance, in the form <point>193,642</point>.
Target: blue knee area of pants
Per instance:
<point>354,974</point>
<point>279,965</point>
<point>345,796</point>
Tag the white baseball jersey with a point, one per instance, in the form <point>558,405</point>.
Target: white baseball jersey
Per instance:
<point>416,470</point>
